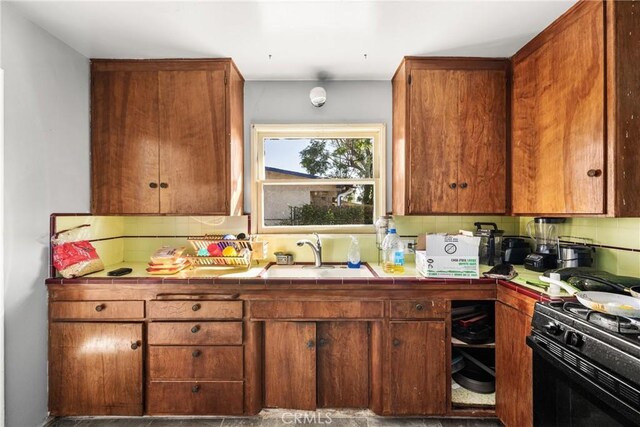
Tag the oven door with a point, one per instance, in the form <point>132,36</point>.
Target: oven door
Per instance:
<point>569,391</point>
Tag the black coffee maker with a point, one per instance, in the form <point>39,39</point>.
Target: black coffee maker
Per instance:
<point>544,231</point>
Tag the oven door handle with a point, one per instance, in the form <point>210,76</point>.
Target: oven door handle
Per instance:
<point>583,381</point>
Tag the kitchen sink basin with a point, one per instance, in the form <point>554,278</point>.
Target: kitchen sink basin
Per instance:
<point>309,271</point>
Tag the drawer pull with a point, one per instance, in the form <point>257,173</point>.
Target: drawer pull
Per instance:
<point>100,307</point>
<point>419,307</point>
<point>196,353</point>
<point>195,329</point>
<point>195,389</point>
<point>396,342</point>
<point>196,307</point>
<point>135,345</point>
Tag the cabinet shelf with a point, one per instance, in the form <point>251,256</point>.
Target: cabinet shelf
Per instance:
<point>457,343</point>
<point>463,398</point>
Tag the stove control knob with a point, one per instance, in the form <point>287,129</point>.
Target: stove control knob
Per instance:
<point>573,339</point>
<point>552,328</point>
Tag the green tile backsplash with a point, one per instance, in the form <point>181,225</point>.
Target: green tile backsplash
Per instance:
<point>156,231</point>
<point>616,232</point>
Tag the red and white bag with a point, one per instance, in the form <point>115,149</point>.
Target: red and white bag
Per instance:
<point>73,256</point>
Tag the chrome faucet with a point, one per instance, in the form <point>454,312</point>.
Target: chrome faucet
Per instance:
<point>315,247</point>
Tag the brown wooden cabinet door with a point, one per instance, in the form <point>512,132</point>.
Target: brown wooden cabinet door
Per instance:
<point>95,368</point>
<point>194,167</point>
<point>482,112</point>
<point>343,364</point>
<point>558,120</point>
<point>417,368</point>
<point>514,387</point>
<point>290,365</point>
<point>124,142</point>
<point>434,140</point>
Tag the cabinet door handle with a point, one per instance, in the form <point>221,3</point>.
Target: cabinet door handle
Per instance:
<point>164,185</point>
<point>196,353</point>
<point>453,185</point>
<point>419,307</point>
<point>195,388</point>
<point>310,344</point>
<point>100,307</point>
<point>135,345</point>
<point>464,185</point>
<point>196,307</point>
<point>322,342</point>
<point>153,185</point>
<point>195,329</point>
<point>591,173</point>
<point>396,342</point>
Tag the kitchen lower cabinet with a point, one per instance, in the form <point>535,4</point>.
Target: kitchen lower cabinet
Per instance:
<point>417,368</point>
<point>342,364</point>
<point>310,365</point>
<point>514,384</point>
<point>95,368</point>
<point>195,360</point>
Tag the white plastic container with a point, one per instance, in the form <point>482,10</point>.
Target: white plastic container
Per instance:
<point>353,256</point>
<point>392,253</point>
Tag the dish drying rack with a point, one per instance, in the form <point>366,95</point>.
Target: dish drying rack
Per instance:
<point>200,242</point>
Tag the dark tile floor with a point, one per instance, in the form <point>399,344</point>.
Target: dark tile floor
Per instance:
<point>321,421</point>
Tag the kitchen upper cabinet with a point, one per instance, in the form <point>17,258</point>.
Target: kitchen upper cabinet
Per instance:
<point>417,367</point>
<point>95,368</point>
<point>514,365</point>
<point>167,137</point>
<point>574,115</point>
<point>450,136</point>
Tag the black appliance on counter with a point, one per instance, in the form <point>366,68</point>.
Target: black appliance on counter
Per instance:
<point>514,250</point>
<point>544,232</point>
<point>586,367</point>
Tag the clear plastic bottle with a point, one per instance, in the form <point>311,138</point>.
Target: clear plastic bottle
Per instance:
<point>353,256</point>
<point>392,253</point>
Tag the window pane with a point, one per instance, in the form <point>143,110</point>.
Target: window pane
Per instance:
<point>315,158</point>
<point>318,204</point>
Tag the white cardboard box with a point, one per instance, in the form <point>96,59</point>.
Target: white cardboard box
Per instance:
<point>449,256</point>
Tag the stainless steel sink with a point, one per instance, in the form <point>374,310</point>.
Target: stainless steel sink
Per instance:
<point>309,271</point>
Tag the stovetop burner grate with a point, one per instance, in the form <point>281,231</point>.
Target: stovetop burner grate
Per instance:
<point>618,324</point>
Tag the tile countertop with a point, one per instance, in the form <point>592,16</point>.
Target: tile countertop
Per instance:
<point>227,275</point>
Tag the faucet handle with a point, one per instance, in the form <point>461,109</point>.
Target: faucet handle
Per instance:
<point>318,241</point>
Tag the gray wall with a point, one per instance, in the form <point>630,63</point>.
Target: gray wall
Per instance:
<point>288,102</point>
<point>46,170</point>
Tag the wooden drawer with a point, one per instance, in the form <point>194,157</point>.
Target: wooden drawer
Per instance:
<point>317,309</point>
<point>195,333</point>
<point>418,309</point>
<point>195,362</point>
<point>97,310</point>
<point>194,310</point>
<point>195,398</point>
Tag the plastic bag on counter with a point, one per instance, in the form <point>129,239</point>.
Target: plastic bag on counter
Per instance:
<point>74,256</point>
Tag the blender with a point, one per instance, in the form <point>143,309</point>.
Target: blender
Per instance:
<point>545,233</point>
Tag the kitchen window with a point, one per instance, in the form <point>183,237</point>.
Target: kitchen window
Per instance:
<point>308,178</point>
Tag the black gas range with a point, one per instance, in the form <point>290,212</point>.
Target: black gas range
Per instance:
<point>586,367</point>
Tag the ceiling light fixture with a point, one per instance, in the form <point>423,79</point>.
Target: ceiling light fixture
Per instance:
<point>318,96</point>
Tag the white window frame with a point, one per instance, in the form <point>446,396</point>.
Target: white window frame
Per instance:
<point>377,132</point>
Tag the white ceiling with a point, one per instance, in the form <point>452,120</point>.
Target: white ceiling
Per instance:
<point>305,38</point>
